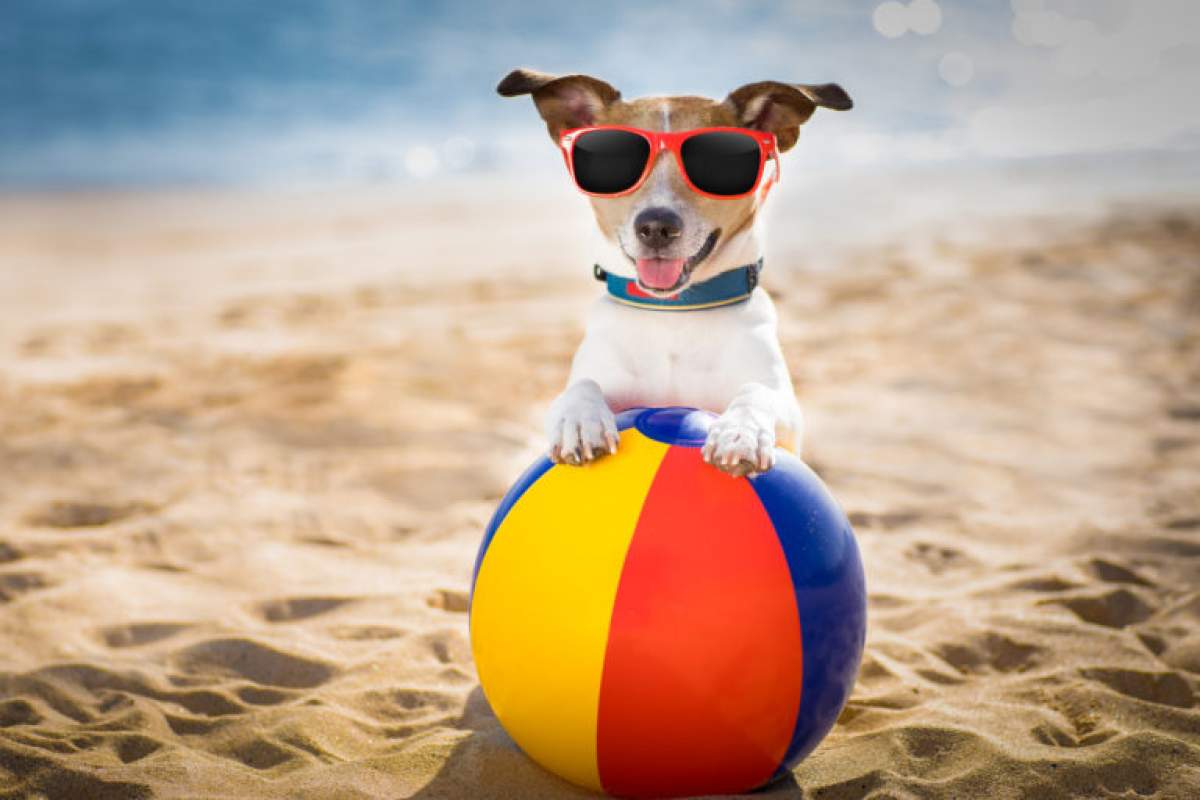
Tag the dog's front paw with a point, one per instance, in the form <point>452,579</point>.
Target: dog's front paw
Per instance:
<point>739,445</point>
<point>583,432</point>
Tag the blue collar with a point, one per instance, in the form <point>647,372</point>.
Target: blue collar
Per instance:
<point>731,286</point>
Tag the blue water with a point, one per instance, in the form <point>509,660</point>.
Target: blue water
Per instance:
<point>108,67</point>
<point>116,92</point>
<point>166,92</point>
<point>87,86</point>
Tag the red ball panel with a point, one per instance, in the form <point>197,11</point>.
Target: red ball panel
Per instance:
<point>703,667</point>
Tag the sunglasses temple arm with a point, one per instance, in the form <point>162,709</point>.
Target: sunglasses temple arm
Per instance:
<point>771,179</point>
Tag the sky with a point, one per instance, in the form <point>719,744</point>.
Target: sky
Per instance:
<point>161,92</point>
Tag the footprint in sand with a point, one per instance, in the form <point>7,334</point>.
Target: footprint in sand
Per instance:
<point>404,704</point>
<point>244,658</point>
<point>81,514</point>
<point>262,695</point>
<point>1111,572</point>
<point>1164,688</point>
<point>292,609</point>
<point>938,558</point>
<point>140,633</point>
<point>449,600</point>
<point>884,519</point>
<point>205,702</point>
<point>1046,584</point>
<point>135,747</point>
<point>18,711</point>
<point>418,699</point>
<point>1118,608</point>
<point>1082,728</point>
<point>109,684</point>
<point>1187,413</point>
<point>929,742</point>
<point>989,652</point>
<point>261,753</point>
<point>1055,736</point>
<point>15,584</point>
<point>363,633</point>
<point>1152,641</point>
<point>193,726</point>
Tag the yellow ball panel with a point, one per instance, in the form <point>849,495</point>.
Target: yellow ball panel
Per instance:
<point>544,598</point>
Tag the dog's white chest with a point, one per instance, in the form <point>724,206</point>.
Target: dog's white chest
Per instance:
<point>694,358</point>
<point>674,365</point>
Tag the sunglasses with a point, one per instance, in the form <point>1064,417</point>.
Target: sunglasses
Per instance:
<point>612,160</point>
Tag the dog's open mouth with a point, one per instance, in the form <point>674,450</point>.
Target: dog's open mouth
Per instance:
<point>667,275</point>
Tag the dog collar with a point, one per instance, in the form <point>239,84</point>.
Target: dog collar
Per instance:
<point>731,286</point>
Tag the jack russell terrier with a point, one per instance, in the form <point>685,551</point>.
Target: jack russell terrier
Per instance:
<point>676,184</point>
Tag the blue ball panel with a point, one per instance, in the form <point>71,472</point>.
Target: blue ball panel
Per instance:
<point>628,417</point>
<point>827,574</point>
<point>685,427</point>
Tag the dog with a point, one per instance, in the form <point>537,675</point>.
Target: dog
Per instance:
<point>665,239</point>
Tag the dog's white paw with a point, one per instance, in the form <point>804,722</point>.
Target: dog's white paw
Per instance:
<point>583,430</point>
<point>740,445</point>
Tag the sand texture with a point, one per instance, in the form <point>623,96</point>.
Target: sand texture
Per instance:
<point>248,446</point>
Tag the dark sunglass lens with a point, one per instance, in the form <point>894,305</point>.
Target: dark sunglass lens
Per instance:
<point>607,162</point>
<point>722,162</point>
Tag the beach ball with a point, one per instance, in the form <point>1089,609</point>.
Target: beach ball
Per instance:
<point>648,626</point>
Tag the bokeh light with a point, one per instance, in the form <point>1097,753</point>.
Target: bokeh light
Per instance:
<point>924,17</point>
<point>893,19</point>
<point>956,68</point>
<point>421,161</point>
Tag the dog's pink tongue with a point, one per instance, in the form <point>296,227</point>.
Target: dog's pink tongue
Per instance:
<point>659,273</point>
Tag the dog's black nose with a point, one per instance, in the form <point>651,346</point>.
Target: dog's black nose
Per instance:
<point>658,227</point>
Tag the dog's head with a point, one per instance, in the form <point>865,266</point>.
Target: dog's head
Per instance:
<point>669,234</point>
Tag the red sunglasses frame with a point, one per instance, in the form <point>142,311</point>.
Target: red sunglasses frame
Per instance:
<point>673,141</point>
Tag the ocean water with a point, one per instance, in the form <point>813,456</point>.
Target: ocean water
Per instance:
<point>116,92</point>
<point>164,91</point>
<point>182,92</point>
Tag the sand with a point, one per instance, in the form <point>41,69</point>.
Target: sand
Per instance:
<point>248,444</point>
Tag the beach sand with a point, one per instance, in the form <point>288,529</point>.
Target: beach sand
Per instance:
<point>249,443</point>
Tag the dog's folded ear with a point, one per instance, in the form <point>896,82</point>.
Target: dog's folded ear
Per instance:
<point>564,101</point>
<point>782,108</point>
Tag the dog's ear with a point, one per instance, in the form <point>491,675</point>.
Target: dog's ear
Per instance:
<point>782,108</point>
<point>565,102</point>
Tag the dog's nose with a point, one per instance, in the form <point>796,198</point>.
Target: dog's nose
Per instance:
<point>658,227</point>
